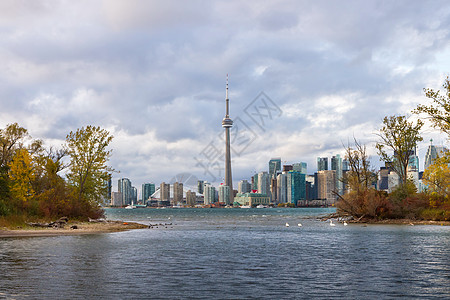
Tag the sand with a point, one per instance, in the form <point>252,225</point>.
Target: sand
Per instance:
<point>83,228</point>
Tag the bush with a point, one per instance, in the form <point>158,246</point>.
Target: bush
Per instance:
<point>435,214</point>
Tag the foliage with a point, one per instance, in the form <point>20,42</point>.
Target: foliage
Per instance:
<point>360,174</point>
<point>88,171</point>
<point>437,176</point>
<point>30,184</point>
<point>11,138</point>
<point>399,137</point>
<point>364,203</point>
<point>21,174</point>
<point>439,111</point>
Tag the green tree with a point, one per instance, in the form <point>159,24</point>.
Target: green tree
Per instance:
<point>11,139</point>
<point>439,111</point>
<point>400,137</point>
<point>88,171</point>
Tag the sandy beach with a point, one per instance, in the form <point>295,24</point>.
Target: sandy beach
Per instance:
<point>82,228</point>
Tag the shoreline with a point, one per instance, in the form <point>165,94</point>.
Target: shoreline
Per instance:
<point>400,222</point>
<point>84,228</point>
<point>404,221</point>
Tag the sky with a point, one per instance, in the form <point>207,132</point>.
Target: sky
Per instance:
<point>305,77</point>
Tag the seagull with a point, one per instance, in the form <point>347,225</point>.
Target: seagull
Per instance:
<point>331,223</point>
<point>299,224</point>
<point>345,223</point>
<point>287,224</point>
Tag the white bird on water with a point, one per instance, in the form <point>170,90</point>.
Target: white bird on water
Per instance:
<point>287,224</point>
<point>331,223</point>
<point>299,224</point>
<point>345,223</point>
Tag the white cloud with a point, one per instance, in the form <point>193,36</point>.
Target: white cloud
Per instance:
<point>153,73</point>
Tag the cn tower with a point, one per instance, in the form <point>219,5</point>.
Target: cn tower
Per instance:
<point>227,123</point>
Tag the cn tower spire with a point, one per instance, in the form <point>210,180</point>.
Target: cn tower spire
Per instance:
<point>227,115</point>
<point>227,123</point>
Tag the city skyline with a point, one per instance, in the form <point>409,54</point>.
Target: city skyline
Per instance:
<point>152,74</point>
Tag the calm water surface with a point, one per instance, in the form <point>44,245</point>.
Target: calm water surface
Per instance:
<point>231,254</point>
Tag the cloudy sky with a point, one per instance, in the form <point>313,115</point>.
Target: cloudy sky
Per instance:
<point>304,76</point>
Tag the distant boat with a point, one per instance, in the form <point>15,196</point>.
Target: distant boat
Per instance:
<point>260,206</point>
<point>245,206</point>
<point>130,206</point>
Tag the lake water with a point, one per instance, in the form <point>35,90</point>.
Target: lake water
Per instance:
<point>231,254</point>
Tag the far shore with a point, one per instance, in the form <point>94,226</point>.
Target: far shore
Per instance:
<point>82,229</point>
<point>400,222</point>
<point>372,221</point>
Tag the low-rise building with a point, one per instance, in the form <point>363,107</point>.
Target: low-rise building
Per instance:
<point>252,199</point>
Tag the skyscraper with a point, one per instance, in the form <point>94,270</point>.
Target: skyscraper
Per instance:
<point>432,153</point>
<point>148,189</point>
<point>336,164</point>
<point>177,193</point>
<point>200,184</point>
<point>263,183</point>
<point>326,185</point>
<point>124,186</point>
<point>209,193</point>
<point>191,198</point>
<point>274,167</point>
<point>296,187</point>
<point>300,167</point>
<point>224,194</point>
<point>244,187</point>
<point>164,191</point>
<point>282,188</point>
<point>322,163</point>
<point>227,123</point>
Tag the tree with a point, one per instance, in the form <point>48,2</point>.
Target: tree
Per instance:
<point>21,174</point>
<point>439,111</point>
<point>399,137</point>
<point>360,175</point>
<point>361,200</point>
<point>11,138</point>
<point>88,171</point>
<point>437,176</point>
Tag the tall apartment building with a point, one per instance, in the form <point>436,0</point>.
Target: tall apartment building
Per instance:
<point>125,188</point>
<point>274,167</point>
<point>148,189</point>
<point>116,199</point>
<point>300,167</point>
<point>432,153</point>
<point>263,183</point>
<point>244,187</point>
<point>191,198</point>
<point>209,193</point>
<point>282,188</point>
<point>336,165</point>
<point>164,191</point>
<point>296,187</point>
<point>177,193</point>
<point>200,184</point>
<point>326,185</point>
<point>322,163</point>
<point>224,194</point>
